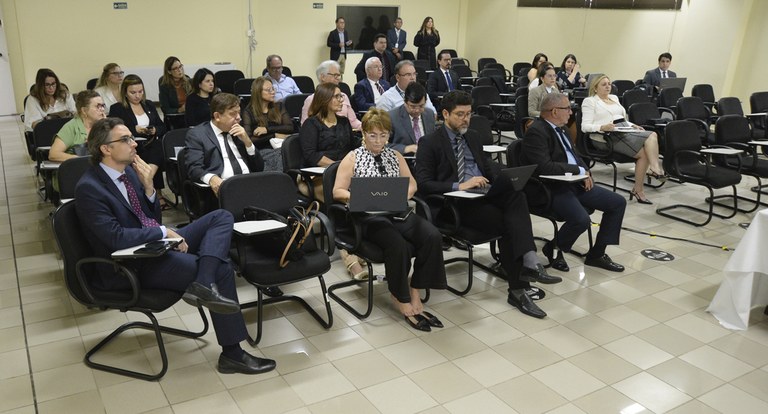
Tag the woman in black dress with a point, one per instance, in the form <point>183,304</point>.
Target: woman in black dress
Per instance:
<point>427,38</point>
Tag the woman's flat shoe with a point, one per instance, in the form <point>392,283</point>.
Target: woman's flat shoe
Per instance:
<point>418,322</point>
<point>432,319</point>
<point>632,194</point>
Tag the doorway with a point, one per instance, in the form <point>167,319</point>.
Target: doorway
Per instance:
<point>7,98</point>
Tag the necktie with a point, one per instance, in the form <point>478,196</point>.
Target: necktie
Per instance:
<point>448,81</point>
<point>567,144</point>
<point>664,74</point>
<point>379,88</point>
<point>460,157</point>
<point>133,198</point>
<point>236,169</point>
<point>416,129</point>
<point>400,91</point>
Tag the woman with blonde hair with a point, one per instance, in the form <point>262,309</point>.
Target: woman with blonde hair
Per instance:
<point>109,83</point>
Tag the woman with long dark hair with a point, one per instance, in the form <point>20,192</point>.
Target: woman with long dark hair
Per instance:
<point>265,120</point>
<point>198,107</point>
<point>427,39</point>
<point>49,98</point>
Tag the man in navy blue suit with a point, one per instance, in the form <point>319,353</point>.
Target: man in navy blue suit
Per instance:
<point>118,207</point>
<point>369,90</point>
<point>397,39</point>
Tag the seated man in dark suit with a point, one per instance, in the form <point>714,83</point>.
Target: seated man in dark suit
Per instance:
<point>118,207</point>
<point>412,120</point>
<point>654,76</point>
<point>442,80</point>
<point>380,51</point>
<point>369,90</point>
<point>547,145</point>
<point>452,159</point>
<point>213,152</point>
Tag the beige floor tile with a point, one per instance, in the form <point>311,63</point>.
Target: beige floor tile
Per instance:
<point>488,367</point>
<point>617,290</point>
<point>716,362</point>
<point>52,330</point>
<point>651,392</point>
<point>319,383</point>
<point>561,310</point>
<point>698,328</point>
<point>527,354</point>
<point>694,407</point>
<point>445,382</point>
<point>412,355</point>
<point>590,300</point>
<point>278,331</point>
<point>269,396</point>
<point>655,309</point>
<point>563,341</point>
<point>453,342</point>
<point>352,403</point>
<point>134,396</point>
<point>220,402</point>
<point>604,365</point>
<point>755,383</point>
<point>10,317</point>
<point>11,338</point>
<point>492,301</point>
<point>84,402</point>
<point>525,323</point>
<point>492,331</point>
<point>368,368</point>
<point>383,331</point>
<point>294,356</point>
<point>729,399</point>
<point>410,398</point>
<point>685,377</point>
<point>567,409</point>
<point>669,339</point>
<point>526,394</point>
<point>628,319</point>
<point>15,392</point>
<point>13,364</point>
<point>681,299</point>
<point>60,382</point>
<point>609,401</point>
<point>638,352</point>
<point>568,380</point>
<point>340,344</point>
<point>460,311</point>
<point>191,382</point>
<point>482,401</point>
<point>742,348</point>
<point>596,329</point>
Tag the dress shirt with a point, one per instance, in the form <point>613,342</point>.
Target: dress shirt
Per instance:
<point>114,175</point>
<point>470,165</point>
<point>283,87</point>
<point>228,172</point>
<point>393,98</point>
<point>343,42</point>
<point>568,151</point>
<point>397,36</point>
<point>376,94</point>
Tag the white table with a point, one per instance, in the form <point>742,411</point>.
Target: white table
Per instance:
<point>745,277</point>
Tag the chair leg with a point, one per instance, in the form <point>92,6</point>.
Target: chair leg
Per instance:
<point>344,304</point>
<point>158,330</point>
<point>471,263</point>
<point>756,200</point>
<point>710,212</point>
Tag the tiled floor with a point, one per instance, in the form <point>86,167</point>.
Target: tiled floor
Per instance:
<point>638,341</point>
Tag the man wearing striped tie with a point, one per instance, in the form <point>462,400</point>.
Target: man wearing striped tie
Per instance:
<point>452,159</point>
<point>369,90</point>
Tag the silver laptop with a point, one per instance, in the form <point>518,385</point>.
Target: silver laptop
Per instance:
<point>678,83</point>
<point>377,194</point>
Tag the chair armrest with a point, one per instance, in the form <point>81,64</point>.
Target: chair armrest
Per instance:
<point>422,209</point>
<point>668,111</point>
<point>443,203</point>
<point>120,270</point>
<point>327,230</point>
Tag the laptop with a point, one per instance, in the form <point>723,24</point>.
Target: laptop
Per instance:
<point>678,83</point>
<point>508,179</point>
<point>374,194</point>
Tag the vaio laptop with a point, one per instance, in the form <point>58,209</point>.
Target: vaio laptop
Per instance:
<point>507,180</point>
<point>374,194</point>
<point>678,83</point>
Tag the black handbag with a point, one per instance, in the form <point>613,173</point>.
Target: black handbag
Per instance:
<point>287,244</point>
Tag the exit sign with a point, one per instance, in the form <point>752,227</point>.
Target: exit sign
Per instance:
<point>317,5</point>
<point>120,5</point>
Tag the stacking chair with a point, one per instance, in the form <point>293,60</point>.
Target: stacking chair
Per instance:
<point>735,131</point>
<point>197,198</point>
<point>651,117</point>
<point>693,108</point>
<point>91,84</point>
<point>519,67</point>
<point>293,105</point>
<point>172,140</point>
<point>522,120</point>
<point>242,88</point>
<point>408,55</point>
<point>684,160</point>
<point>43,134</point>
<point>484,61</point>
<point>758,106</point>
<point>634,96</point>
<point>706,93</point>
<point>623,85</point>
<point>464,72</point>
<point>668,97</point>
<point>484,128</point>
<point>305,84</point>
<point>78,267</point>
<point>586,147</point>
<point>293,161</point>
<point>483,98</point>
<point>345,89</point>
<point>451,52</point>
<point>459,61</point>
<point>273,191</point>
<point>225,79</point>
<point>500,66</point>
<point>729,105</point>
<point>69,174</point>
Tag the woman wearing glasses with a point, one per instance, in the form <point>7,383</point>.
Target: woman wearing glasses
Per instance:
<point>175,86</point>
<point>70,140</point>
<point>108,85</point>
<point>265,120</point>
<point>48,98</point>
<point>327,138</point>
<point>142,119</point>
<point>198,107</point>
<point>398,236</point>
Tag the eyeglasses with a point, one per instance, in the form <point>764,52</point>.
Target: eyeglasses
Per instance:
<point>101,106</point>
<point>462,114</point>
<point>335,75</point>
<point>277,69</point>
<point>270,90</point>
<point>408,74</point>
<point>51,85</point>
<point>126,139</point>
<point>377,137</point>
<point>339,96</point>
<point>180,67</point>
<point>121,73</point>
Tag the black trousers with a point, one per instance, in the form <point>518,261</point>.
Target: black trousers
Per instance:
<point>569,202</point>
<point>401,240</point>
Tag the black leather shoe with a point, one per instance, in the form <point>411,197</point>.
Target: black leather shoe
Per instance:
<point>247,364</point>
<point>557,262</point>
<point>604,262</point>
<point>539,274</point>
<point>198,294</point>
<point>272,291</point>
<point>526,305</point>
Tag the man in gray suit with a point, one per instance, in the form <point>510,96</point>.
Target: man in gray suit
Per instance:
<point>653,77</point>
<point>213,153</point>
<point>412,120</point>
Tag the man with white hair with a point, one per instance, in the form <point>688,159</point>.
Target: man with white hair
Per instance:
<point>369,90</point>
<point>330,71</point>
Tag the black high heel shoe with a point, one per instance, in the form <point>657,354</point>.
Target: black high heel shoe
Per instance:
<point>632,193</point>
<point>660,177</point>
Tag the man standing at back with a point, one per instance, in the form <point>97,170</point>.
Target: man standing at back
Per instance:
<point>397,39</point>
<point>339,42</point>
<point>282,84</point>
<point>654,76</point>
<point>385,56</point>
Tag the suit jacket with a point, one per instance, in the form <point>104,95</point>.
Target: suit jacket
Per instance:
<point>653,76</point>
<point>204,154</point>
<point>363,96</point>
<point>402,127</point>
<point>436,168</point>
<point>438,85</point>
<point>333,42</point>
<point>393,38</point>
<point>389,65</point>
<point>126,114</point>
<point>542,146</point>
<point>535,96</point>
<point>108,220</point>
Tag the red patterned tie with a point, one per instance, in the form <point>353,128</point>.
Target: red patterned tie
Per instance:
<point>133,198</point>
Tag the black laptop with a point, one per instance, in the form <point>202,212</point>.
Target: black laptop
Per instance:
<point>678,83</point>
<point>375,194</point>
<point>508,179</point>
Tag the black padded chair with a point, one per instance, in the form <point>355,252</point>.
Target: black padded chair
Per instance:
<point>483,98</point>
<point>451,52</point>
<point>293,105</point>
<point>623,85</point>
<point>684,161</point>
<point>286,71</point>
<point>522,120</point>
<point>484,61</point>
<point>91,84</point>
<point>344,89</point>
<point>43,134</point>
<point>732,106</point>
<point>735,131</point>
<point>668,97</point>
<point>172,140</point>
<point>500,66</point>
<point>408,55</point>
<point>197,198</point>
<point>243,86</point>
<point>225,79</point>
<point>693,108</point>
<point>293,161</point>
<point>78,267</point>
<point>706,93</point>
<point>633,96</point>
<point>305,84</point>
<point>464,72</point>
<point>69,174</point>
<point>604,154</point>
<point>518,67</point>
<point>651,117</point>
<point>758,104</point>
<point>484,127</point>
<point>273,191</point>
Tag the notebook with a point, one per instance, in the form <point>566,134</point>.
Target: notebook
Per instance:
<point>372,194</point>
<point>507,180</point>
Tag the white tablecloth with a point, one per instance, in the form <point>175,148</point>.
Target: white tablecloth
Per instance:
<point>745,277</point>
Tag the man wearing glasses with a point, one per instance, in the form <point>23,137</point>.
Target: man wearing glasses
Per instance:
<point>330,72</point>
<point>405,73</point>
<point>547,145</point>
<point>283,85</point>
<point>369,90</point>
<point>118,208</point>
<point>380,51</point>
<point>452,159</point>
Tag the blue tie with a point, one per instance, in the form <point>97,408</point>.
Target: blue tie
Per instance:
<point>448,79</point>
